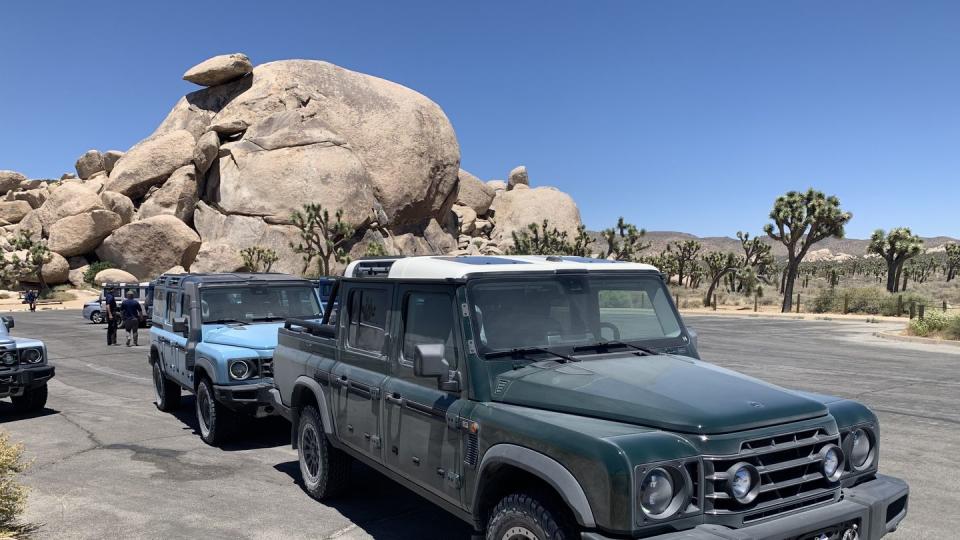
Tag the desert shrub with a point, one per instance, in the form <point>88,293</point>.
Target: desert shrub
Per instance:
<point>918,327</point>
<point>889,305</point>
<point>825,302</point>
<point>952,328</point>
<point>95,269</point>
<point>5,295</point>
<point>13,496</point>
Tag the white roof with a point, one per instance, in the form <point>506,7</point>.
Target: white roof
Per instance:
<point>448,267</point>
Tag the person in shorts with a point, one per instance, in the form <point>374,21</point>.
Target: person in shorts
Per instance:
<point>132,314</point>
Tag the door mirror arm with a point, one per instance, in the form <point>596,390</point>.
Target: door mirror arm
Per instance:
<point>428,361</point>
<point>180,326</point>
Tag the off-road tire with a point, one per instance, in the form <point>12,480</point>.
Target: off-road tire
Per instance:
<point>325,470</point>
<point>166,392</point>
<point>219,424</point>
<point>31,400</point>
<point>525,516</point>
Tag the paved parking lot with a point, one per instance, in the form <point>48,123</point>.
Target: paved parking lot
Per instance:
<point>109,465</point>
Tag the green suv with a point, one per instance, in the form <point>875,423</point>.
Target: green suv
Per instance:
<point>563,397</point>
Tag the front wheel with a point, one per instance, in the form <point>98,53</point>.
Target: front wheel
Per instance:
<point>522,516</point>
<point>31,400</point>
<point>324,469</point>
<point>166,392</point>
<point>96,317</point>
<point>216,420</point>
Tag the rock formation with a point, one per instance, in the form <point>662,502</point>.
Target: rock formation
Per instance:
<point>232,161</point>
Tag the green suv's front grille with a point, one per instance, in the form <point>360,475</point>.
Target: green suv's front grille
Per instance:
<point>790,477</point>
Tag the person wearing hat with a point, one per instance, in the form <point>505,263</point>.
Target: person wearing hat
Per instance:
<point>113,315</point>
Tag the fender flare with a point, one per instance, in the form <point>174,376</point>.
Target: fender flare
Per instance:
<point>205,365</point>
<point>547,469</point>
<point>306,384</point>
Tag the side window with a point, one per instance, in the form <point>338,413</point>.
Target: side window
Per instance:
<point>428,318</point>
<point>171,306</point>
<point>185,307</point>
<point>366,326</point>
<point>158,307</point>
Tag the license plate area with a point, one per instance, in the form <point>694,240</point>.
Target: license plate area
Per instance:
<point>849,530</point>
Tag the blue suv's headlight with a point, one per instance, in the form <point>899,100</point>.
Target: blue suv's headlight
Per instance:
<point>241,369</point>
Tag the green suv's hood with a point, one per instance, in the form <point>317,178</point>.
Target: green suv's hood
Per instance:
<point>667,392</point>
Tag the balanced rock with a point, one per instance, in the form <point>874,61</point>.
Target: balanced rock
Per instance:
<point>14,211</point>
<point>177,196</point>
<point>89,163</point>
<point>518,208</point>
<point>150,162</point>
<point>219,69</point>
<point>68,200</point>
<point>110,158</point>
<point>119,204</point>
<point>82,233</point>
<point>114,275</point>
<point>474,193</point>
<point>518,176</point>
<point>150,246</point>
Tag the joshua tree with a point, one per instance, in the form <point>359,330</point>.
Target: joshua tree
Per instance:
<point>757,257</point>
<point>685,254</point>
<point>666,262</point>
<point>319,238</point>
<point>37,254</point>
<point>800,220</point>
<point>624,241</point>
<point>895,247</point>
<point>718,265</point>
<point>953,260</point>
<point>581,242</point>
<point>258,259</point>
<point>540,240</point>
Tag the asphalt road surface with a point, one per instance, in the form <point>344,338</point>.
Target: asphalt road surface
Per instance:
<point>109,465</point>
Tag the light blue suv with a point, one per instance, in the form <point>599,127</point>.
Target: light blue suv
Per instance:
<point>214,335</point>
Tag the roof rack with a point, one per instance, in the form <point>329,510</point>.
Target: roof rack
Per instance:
<point>373,266</point>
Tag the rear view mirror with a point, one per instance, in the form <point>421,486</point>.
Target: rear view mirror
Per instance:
<point>8,322</point>
<point>179,325</point>
<point>428,361</point>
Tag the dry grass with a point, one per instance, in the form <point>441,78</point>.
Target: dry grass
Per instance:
<point>13,495</point>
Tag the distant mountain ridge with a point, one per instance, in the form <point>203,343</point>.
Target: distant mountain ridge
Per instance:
<point>851,246</point>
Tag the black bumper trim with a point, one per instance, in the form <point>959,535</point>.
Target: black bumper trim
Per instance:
<point>868,502</point>
<point>27,378</point>
<point>245,397</point>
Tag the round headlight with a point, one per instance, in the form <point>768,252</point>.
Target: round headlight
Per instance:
<point>239,369</point>
<point>831,464</point>
<point>32,356</point>
<point>657,491</point>
<point>9,358</point>
<point>859,447</point>
<point>743,482</point>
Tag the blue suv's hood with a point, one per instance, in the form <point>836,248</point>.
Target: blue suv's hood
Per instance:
<point>251,336</point>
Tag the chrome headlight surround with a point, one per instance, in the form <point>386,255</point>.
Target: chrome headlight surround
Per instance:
<point>32,355</point>
<point>681,485</point>
<point>871,433</point>
<point>245,369</point>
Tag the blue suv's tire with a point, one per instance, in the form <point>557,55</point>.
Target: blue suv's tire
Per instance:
<point>523,516</point>
<point>216,421</point>
<point>324,469</point>
<point>167,392</point>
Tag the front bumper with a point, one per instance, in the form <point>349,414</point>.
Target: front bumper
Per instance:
<point>877,507</point>
<point>14,384</point>
<point>252,398</point>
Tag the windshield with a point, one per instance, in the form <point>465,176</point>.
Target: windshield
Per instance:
<point>258,304</point>
<point>570,311</point>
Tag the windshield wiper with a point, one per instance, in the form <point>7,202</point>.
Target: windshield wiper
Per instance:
<point>525,351</point>
<point>268,319</point>
<point>604,345</point>
<point>226,321</point>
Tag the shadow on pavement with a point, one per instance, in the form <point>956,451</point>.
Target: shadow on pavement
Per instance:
<point>386,510</point>
<point>8,414</point>
<point>251,433</point>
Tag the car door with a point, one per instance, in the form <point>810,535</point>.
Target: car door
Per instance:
<point>173,346</point>
<point>358,377</point>
<point>418,441</point>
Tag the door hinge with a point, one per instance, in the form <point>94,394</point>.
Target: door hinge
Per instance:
<point>376,441</point>
<point>453,479</point>
<point>374,392</point>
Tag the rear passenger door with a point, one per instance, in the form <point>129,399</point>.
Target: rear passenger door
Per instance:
<point>418,441</point>
<point>358,377</point>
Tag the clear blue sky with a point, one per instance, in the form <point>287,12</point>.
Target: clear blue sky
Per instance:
<point>688,116</point>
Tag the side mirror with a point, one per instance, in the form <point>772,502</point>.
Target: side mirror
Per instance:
<point>8,322</point>
<point>179,325</point>
<point>428,361</point>
<point>694,339</point>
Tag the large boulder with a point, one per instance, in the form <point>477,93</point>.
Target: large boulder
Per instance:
<point>217,257</point>
<point>76,275</point>
<point>34,197</point>
<point>90,163</point>
<point>110,158</point>
<point>30,224</point>
<point>514,210</point>
<point>119,204</point>
<point>286,160</point>
<point>518,176</point>
<point>68,200</point>
<point>178,196</point>
<point>474,193</point>
<point>82,233</point>
<point>14,211</point>
<point>114,275</point>
<point>247,231</point>
<point>208,146</point>
<point>150,246</point>
<point>219,69</point>
<point>150,162</point>
<point>56,270</point>
<point>10,180</point>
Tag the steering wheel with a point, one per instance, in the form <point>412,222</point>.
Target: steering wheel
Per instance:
<point>614,328</point>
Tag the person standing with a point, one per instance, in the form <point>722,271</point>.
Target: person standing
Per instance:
<point>113,315</point>
<point>132,313</point>
<point>31,299</point>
